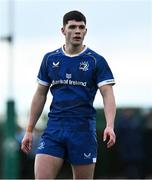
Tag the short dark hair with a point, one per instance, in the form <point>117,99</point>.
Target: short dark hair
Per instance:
<point>73,15</point>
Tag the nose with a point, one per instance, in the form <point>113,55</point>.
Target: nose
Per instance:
<point>77,30</point>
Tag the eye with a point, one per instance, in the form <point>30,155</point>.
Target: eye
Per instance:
<point>82,27</point>
<point>72,27</point>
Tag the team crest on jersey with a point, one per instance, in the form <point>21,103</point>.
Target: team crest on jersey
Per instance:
<point>84,66</point>
<point>55,65</point>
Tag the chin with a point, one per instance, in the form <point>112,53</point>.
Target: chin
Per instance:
<point>77,44</point>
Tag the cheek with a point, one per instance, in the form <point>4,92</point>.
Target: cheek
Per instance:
<point>69,34</point>
<point>85,33</point>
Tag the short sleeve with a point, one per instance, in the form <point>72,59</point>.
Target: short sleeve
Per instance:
<point>103,73</point>
<point>43,77</point>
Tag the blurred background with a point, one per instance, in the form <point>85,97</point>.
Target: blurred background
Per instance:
<point>119,30</point>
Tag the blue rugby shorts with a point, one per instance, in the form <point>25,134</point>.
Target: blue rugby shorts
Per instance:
<point>72,139</point>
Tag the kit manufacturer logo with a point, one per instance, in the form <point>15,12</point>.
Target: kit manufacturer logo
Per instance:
<point>87,156</point>
<point>55,65</point>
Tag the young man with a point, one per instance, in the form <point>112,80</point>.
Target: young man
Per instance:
<point>73,73</point>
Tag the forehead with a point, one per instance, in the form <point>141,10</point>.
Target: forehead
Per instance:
<point>76,23</point>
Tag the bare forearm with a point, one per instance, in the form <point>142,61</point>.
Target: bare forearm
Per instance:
<point>110,110</point>
<point>109,104</point>
<point>37,106</point>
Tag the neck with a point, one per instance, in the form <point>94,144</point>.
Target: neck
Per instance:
<point>71,50</point>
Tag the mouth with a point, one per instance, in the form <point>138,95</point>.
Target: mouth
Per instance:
<point>77,38</point>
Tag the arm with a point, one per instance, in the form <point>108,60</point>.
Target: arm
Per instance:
<point>37,106</point>
<point>110,112</point>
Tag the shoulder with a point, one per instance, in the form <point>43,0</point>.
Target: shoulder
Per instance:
<point>95,56</point>
<point>56,52</point>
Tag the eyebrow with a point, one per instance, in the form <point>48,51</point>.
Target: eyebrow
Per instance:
<point>73,26</point>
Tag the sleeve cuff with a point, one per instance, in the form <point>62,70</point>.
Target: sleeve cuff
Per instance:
<point>44,83</point>
<point>109,81</point>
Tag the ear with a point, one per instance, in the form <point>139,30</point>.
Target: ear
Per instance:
<point>63,30</point>
<point>86,31</point>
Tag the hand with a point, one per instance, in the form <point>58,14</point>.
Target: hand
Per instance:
<point>26,145</point>
<point>110,136</point>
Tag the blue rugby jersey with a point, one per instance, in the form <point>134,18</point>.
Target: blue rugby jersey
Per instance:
<point>74,81</point>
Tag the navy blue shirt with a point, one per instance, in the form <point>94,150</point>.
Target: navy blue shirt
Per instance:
<point>74,81</point>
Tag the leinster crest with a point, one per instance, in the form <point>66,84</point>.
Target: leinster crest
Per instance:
<point>84,66</point>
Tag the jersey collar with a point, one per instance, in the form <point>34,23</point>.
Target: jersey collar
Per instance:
<point>73,55</point>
